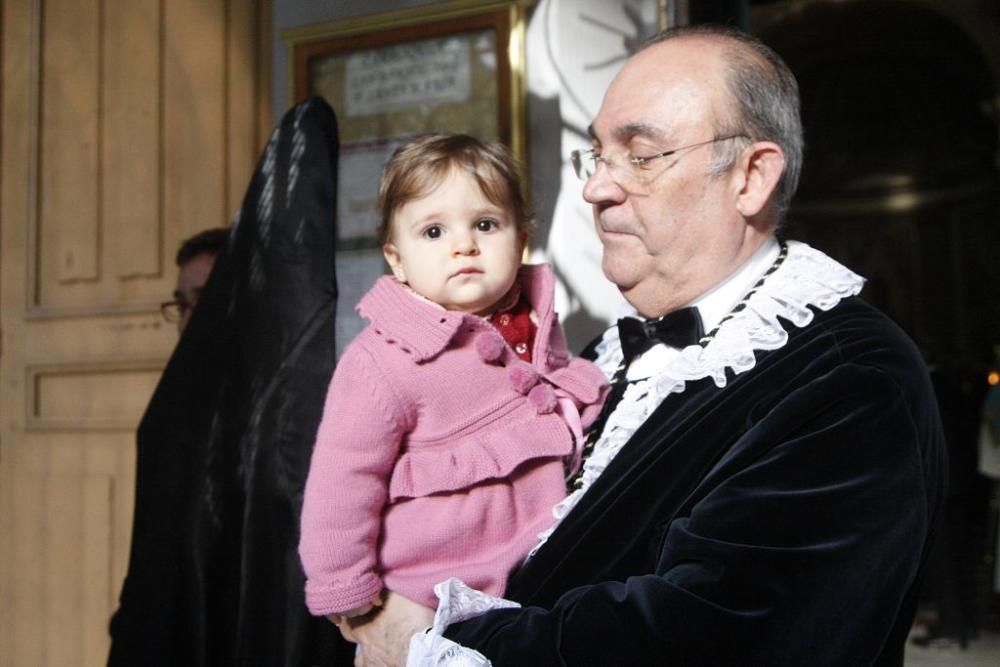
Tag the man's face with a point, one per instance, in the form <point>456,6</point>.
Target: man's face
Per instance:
<point>191,278</point>
<point>671,230</point>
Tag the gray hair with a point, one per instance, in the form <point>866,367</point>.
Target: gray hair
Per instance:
<point>766,97</point>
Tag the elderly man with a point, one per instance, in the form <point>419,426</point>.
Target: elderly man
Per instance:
<point>763,492</point>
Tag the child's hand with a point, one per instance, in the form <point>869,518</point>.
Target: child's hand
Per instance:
<point>366,608</point>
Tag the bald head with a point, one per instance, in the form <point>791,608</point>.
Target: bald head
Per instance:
<point>760,96</point>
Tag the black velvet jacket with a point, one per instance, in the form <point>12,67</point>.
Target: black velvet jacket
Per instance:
<point>780,520</point>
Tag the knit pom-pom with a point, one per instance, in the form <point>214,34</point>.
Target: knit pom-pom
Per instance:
<point>544,398</point>
<point>489,346</point>
<point>523,377</point>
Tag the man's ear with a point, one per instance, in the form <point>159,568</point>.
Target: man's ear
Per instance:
<point>392,257</point>
<point>762,166</point>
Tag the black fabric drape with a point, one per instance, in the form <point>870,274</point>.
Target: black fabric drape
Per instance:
<point>224,447</point>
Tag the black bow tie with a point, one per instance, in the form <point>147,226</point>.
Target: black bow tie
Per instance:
<point>677,329</point>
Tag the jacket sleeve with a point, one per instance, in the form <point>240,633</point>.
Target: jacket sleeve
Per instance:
<point>347,488</point>
<point>799,546</point>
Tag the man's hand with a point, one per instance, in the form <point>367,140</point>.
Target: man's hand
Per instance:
<point>366,608</point>
<point>384,634</point>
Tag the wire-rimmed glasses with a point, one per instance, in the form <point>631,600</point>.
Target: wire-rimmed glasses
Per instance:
<point>630,168</point>
<point>174,311</point>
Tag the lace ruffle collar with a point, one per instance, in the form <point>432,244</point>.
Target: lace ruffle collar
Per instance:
<point>806,278</point>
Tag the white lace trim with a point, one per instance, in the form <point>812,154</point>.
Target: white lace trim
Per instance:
<point>806,277</point>
<point>456,603</point>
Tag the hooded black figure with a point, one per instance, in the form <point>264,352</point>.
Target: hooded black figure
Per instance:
<point>224,446</point>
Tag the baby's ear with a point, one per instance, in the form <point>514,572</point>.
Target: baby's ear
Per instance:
<point>392,257</point>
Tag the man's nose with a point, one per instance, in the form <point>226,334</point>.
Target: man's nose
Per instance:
<point>601,187</point>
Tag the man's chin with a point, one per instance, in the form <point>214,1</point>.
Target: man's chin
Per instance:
<point>623,277</point>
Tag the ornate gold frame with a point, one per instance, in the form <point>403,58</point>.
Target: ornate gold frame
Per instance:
<point>506,17</point>
<point>483,40</point>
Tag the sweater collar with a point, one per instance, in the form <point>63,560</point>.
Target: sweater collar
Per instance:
<point>425,328</point>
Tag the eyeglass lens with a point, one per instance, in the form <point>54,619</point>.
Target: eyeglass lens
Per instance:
<point>173,311</point>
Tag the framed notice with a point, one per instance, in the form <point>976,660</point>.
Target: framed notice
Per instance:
<point>452,66</point>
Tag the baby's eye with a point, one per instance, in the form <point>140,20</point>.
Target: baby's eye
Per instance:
<point>433,232</point>
<point>486,225</point>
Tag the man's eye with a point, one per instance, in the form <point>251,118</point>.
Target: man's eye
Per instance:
<point>433,232</point>
<point>486,225</point>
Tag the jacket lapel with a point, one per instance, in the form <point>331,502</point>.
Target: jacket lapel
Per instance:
<point>648,479</point>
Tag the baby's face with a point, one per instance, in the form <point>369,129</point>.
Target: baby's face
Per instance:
<point>455,247</point>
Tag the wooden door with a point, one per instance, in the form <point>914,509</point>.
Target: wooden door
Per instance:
<point>127,125</point>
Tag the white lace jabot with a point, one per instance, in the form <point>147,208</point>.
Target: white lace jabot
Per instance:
<point>806,278</point>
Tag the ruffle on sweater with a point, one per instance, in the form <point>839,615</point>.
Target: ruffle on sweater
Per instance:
<point>462,462</point>
<point>806,279</point>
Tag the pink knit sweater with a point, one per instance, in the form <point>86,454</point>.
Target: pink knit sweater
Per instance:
<point>440,453</point>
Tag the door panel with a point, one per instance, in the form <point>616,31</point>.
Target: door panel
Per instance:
<point>127,125</point>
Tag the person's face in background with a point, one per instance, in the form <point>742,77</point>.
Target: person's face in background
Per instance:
<point>191,279</point>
